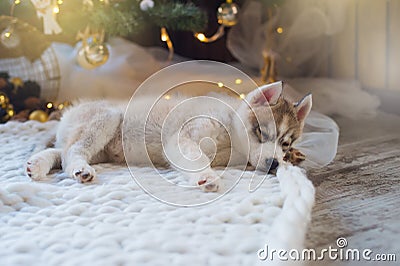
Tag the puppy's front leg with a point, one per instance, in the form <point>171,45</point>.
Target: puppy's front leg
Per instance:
<point>87,142</point>
<point>185,155</point>
<point>294,156</point>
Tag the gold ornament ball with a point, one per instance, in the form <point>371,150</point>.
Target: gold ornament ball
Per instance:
<point>17,82</point>
<point>9,39</point>
<point>39,115</point>
<point>81,59</point>
<point>97,54</point>
<point>93,55</point>
<point>4,100</point>
<point>228,14</point>
<point>8,114</point>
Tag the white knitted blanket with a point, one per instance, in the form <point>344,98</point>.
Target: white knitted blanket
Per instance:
<point>113,222</point>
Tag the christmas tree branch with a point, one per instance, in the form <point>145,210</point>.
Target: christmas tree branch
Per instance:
<point>178,16</point>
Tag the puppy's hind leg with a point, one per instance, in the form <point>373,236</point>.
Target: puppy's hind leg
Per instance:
<point>90,140</point>
<point>40,164</point>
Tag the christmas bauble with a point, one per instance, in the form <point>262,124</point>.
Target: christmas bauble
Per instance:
<point>3,115</point>
<point>17,82</point>
<point>9,39</point>
<point>6,109</point>
<point>4,100</point>
<point>97,54</point>
<point>146,5</point>
<point>93,55</point>
<point>39,115</point>
<point>82,61</point>
<point>228,14</point>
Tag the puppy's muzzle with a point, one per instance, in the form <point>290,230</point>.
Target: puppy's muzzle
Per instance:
<point>273,165</point>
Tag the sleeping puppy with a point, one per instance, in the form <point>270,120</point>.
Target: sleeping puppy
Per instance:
<point>259,130</point>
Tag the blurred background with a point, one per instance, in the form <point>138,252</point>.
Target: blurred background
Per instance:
<point>88,48</point>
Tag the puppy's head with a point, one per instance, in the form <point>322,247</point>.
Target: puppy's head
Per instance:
<point>272,123</point>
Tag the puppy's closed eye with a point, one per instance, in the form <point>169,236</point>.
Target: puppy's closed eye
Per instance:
<point>286,144</point>
<point>261,134</point>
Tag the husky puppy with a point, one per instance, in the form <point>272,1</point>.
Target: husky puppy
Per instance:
<point>258,130</point>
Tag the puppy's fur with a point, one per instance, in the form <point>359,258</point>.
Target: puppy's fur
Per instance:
<point>191,141</point>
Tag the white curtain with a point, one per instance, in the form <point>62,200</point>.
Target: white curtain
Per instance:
<point>302,45</point>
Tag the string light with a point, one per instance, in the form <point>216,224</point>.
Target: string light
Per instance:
<point>49,105</point>
<point>220,84</point>
<point>242,96</point>
<point>167,97</point>
<point>268,71</point>
<point>7,34</point>
<point>279,30</point>
<point>201,37</point>
<point>56,10</point>
<point>60,2</point>
<point>15,3</point>
<point>165,38</point>
<point>238,81</point>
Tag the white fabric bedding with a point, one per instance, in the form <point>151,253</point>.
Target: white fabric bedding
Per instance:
<point>113,222</point>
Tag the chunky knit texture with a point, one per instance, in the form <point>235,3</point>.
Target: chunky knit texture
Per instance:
<point>112,221</point>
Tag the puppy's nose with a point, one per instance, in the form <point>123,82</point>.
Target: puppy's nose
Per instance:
<point>274,164</point>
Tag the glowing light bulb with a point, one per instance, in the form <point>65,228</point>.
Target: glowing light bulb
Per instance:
<point>56,10</point>
<point>201,37</point>
<point>220,84</point>
<point>17,2</point>
<point>49,105</point>
<point>217,35</point>
<point>167,97</point>
<point>60,106</point>
<point>242,96</point>
<point>60,2</point>
<point>165,38</point>
<point>7,34</point>
<point>238,81</point>
<point>164,34</point>
<point>279,30</point>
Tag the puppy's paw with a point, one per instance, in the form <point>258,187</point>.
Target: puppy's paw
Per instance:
<point>37,168</point>
<point>84,174</point>
<point>294,156</point>
<point>209,182</point>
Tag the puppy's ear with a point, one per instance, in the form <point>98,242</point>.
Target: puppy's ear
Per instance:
<point>268,93</point>
<point>303,107</point>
